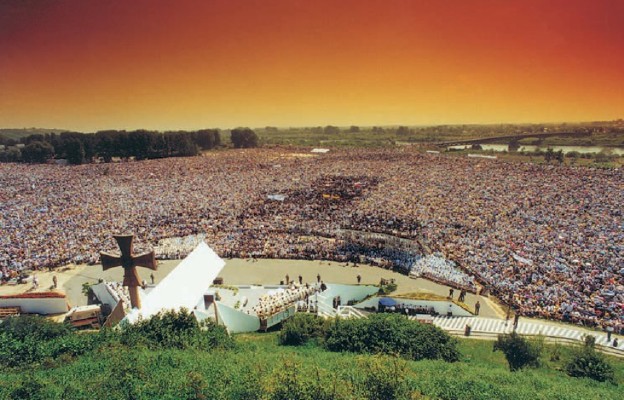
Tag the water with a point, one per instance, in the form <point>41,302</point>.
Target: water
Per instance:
<point>618,151</point>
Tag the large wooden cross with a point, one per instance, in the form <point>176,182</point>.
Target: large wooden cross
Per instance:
<point>129,264</point>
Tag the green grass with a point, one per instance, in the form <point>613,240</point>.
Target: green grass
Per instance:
<point>258,368</point>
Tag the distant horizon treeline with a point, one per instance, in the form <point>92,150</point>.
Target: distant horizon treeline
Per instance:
<point>78,148</point>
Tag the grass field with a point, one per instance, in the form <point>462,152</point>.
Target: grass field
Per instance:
<point>258,368</point>
<point>605,134</point>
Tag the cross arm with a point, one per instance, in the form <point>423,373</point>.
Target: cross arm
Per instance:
<point>146,260</point>
<point>109,261</point>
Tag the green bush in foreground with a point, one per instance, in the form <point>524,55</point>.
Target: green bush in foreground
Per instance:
<point>301,328</point>
<point>26,340</point>
<point>31,340</point>
<point>33,326</point>
<point>391,334</point>
<point>175,330</point>
<point>519,351</point>
<point>258,368</point>
<point>586,362</point>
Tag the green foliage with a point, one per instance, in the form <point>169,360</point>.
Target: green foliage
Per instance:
<point>288,382</point>
<point>402,131</point>
<point>28,340</point>
<point>385,381</point>
<point>604,156</point>
<point>174,330</point>
<point>11,154</point>
<point>74,152</point>
<point>257,368</point>
<point>331,130</point>
<point>589,341</point>
<point>301,328</point>
<point>586,362</point>
<point>387,288</point>
<point>207,138</point>
<point>590,364</point>
<point>555,352</point>
<point>37,152</point>
<point>38,328</point>
<point>391,334</point>
<point>519,351</point>
<point>573,154</point>
<point>86,286</point>
<point>243,138</point>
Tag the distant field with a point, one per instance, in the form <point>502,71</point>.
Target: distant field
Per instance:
<point>17,134</point>
<point>603,135</point>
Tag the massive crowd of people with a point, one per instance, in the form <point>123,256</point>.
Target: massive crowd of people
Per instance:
<point>548,238</point>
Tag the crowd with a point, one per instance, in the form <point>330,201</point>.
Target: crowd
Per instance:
<point>280,299</point>
<point>549,239</point>
<point>119,292</point>
<point>436,267</point>
<point>410,309</point>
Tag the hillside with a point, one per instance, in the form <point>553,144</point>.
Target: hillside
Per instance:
<point>258,368</point>
<point>16,133</point>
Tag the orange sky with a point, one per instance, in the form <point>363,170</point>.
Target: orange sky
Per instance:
<point>89,65</point>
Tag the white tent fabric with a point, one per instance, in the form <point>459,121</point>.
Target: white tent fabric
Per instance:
<point>184,286</point>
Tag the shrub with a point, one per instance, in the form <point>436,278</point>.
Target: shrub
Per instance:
<point>391,334</point>
<point>518,351</point>
<point>30,339</point>
<point>290,382</point>
<point>174,329</point>
<point>33,326</point>
<point>301,328</point>
<point>387,288</point>
<point>573,154</point>
<point>588,363</point>
<point>383,381</point>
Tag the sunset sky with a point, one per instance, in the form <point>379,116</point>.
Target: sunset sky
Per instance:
<point>90,65</point>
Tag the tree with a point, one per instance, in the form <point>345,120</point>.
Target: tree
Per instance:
<point>559,156</point>
<point>244,138</point>
<point>11,154</point>
<point>331,130</point>
<point>74,151</point>
<point>549,155</point>
<point>37,152</point>
<point>207,138</point>
<point>402,131</point>
<point>138,144</point>
<point>354,129</point>
<point>518,351</point>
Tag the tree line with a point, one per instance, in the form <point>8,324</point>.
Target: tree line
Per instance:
<point>79,148</point>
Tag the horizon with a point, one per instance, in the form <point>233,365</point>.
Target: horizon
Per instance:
<point>547,123</point>
<point>163,65</point>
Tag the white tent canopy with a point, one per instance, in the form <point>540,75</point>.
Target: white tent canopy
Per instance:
<point>184,286</point>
